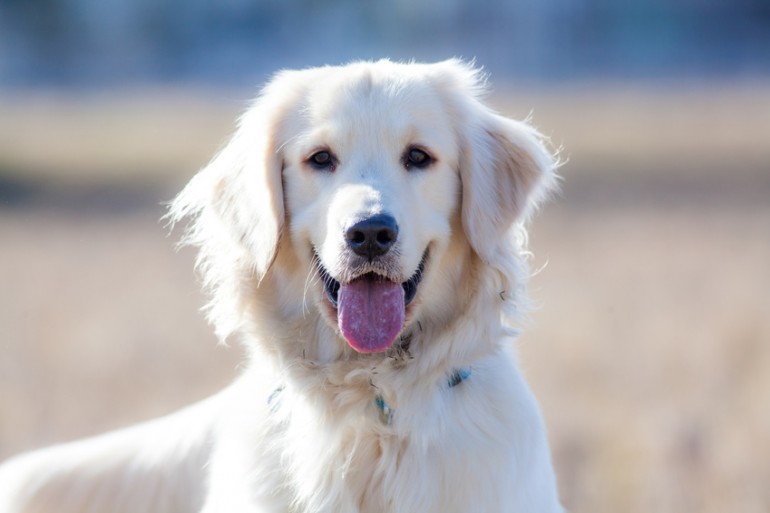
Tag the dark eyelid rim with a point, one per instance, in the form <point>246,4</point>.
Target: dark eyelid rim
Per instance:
<point>308,160</point>
<point>431,156</point>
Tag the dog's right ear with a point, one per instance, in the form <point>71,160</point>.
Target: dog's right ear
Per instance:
<point>235,204</point>
<point>505,166</point>
<point>506,170</point>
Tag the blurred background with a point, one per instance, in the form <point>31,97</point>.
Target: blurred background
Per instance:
<point>650,349</point>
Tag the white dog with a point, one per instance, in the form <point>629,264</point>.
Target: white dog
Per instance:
<point>362,233</point>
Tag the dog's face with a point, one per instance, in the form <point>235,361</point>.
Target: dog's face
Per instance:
<point>373,176</point>
<point>371,187</point>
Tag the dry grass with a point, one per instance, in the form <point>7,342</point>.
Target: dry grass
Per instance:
<point>153,136</point>
<point>650,352</point>
<point>651,355</point>
<point>687,128</point>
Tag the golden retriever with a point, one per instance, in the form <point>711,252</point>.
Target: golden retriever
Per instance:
<point>362,233</point>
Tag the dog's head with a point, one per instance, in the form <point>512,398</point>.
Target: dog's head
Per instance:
<point>366,184</point>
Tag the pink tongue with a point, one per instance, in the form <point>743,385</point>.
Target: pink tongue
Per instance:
<point>370,314</point>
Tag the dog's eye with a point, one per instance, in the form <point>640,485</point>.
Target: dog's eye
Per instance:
<point>415,157</point>
<point>322,160</point>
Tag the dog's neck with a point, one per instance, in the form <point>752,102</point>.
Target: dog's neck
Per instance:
<point>305,353</point>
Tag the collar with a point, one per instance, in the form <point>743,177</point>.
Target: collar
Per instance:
<point>384,411</point>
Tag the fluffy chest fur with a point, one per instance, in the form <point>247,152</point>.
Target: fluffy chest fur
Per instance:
<point>447,449</point>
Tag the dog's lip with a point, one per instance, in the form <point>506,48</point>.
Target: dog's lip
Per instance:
<point>332,286</point>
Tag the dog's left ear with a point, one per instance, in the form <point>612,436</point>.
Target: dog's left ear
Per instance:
<point>236,202</point>
<point>234,208</point>
<point>505,170</point>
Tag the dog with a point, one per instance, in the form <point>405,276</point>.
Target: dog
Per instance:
<point>363,233</point>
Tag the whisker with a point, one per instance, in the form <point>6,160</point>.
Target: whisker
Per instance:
<point>310,279</point>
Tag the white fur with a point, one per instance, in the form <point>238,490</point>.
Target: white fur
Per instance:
<point>299,431</point>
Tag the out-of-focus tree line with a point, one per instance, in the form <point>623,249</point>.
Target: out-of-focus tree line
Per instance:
<point>86,42</point>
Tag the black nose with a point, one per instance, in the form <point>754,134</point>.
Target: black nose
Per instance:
<point>373,236</point>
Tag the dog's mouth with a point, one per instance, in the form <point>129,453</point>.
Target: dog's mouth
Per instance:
<point>371,308</point>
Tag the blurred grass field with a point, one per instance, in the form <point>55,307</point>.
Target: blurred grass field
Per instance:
<point>650,351</point>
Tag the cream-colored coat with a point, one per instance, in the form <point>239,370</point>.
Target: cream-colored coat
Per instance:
<point>313,426</point>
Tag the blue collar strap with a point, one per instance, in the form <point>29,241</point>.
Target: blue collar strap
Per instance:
<point>386,412</point>
<point>383,409</point>
<point>458,376</point>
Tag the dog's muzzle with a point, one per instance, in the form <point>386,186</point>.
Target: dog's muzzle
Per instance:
<point>371,309</point>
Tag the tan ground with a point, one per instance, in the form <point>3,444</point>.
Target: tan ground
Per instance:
<point>650,352</point>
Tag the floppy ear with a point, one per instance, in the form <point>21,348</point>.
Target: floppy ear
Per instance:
<point>505,170</point>
<point>248,194</point>
<point>236,202</point>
